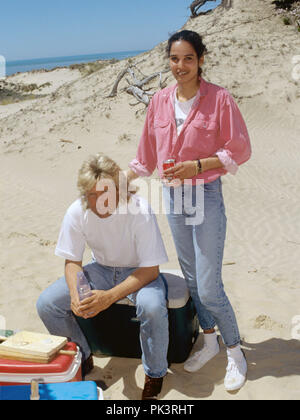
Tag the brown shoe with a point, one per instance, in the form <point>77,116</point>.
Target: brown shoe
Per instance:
<point>152,388</point>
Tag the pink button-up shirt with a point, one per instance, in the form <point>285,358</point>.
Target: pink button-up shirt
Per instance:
<point>214,127</point>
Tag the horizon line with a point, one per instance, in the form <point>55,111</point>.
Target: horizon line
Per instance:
<point>71,56</point>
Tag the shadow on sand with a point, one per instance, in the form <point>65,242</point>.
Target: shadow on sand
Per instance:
<point>274,357</point>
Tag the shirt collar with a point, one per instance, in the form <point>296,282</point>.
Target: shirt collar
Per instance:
<point>203,87</point>
<point>203,90</point>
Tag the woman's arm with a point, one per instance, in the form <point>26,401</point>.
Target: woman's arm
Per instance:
<point>189,168</point>
<point>131,175</point>
<point>234,136</point>
<point>210,163</point>
<point>146,158</point>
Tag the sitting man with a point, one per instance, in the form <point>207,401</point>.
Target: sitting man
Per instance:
<point>127,248</point>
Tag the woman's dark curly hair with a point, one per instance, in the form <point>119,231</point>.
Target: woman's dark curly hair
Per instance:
<point>193,38</point>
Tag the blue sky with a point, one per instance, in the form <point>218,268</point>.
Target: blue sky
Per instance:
<point>41,28</point>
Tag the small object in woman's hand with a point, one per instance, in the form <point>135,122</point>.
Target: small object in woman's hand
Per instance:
<point>167,164</point>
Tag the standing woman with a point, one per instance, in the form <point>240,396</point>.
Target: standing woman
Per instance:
<point>200,126</point>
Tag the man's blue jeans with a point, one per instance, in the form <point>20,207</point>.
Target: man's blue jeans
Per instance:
<point>200,248</point>
<point>151,306</point>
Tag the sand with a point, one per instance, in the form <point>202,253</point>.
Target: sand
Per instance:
<point>250,53</point>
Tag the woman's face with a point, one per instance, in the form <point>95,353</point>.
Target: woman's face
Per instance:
<point>184,62</point>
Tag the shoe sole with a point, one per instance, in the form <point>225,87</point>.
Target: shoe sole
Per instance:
<point>236,388</point>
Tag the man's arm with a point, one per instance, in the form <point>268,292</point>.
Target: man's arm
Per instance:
<point>71,270</point>
<point>136,281</point>
<point>103,299</point>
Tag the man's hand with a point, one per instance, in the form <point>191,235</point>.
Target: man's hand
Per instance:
<point>75,305</point>
<point>92,306</point>
<point>103,299</point>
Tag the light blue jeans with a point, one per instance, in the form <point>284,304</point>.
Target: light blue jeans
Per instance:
<point>53,307</point>
<point>200,250</point>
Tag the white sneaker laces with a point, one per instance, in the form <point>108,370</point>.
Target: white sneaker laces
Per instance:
<point>232,366</point>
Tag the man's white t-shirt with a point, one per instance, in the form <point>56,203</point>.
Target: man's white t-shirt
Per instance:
<point>130,237</point>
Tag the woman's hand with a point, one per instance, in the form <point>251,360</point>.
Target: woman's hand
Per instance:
<point>182,170</point>
<point>93,305</point>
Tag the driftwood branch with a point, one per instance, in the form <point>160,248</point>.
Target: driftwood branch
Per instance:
<point>139,94</point>
<point>198,4</point>
<point>136,87</point>
<point>114,90</point>
<point>120,76</point>
<point>227,4</point>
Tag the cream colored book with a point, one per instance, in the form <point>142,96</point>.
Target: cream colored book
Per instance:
<point>28,344</point>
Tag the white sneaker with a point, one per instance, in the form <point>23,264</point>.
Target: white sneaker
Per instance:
<point>200,358</point>
<point>236,371</point>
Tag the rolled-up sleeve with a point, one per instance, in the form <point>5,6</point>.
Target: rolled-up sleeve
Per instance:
<point>146,159</point>
<point>229,164</point>
<point>234,138</point>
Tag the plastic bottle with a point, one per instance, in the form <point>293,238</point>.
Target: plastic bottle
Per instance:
<point>83,286</point>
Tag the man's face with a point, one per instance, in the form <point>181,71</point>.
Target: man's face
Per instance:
<point>103,198</point>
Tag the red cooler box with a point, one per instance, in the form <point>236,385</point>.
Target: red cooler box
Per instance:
<point>62,369</point>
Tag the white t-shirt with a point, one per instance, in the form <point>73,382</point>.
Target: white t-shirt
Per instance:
<point>182,110</point>
<point>120,240</point>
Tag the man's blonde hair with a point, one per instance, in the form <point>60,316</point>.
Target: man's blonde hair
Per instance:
<point>94,169</point>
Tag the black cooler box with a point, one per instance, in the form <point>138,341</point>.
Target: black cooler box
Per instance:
<point>115,331</point>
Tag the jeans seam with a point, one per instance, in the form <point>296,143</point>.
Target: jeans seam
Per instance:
<point>219,281</point>
<point>219,272</point>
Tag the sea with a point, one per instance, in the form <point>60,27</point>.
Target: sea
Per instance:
<point>50,63</point>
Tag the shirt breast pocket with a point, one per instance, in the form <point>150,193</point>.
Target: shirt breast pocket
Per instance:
<point>162,130</point>
<point>204,134</point>
<point>158,124</point>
